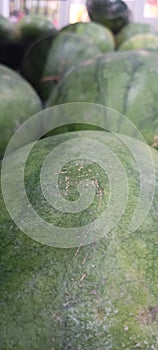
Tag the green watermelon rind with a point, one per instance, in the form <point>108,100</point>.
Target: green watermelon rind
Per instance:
<point>66,51</point>
<point>132,29</point>
<point>33,27</point>
<point>99,35</point>
<point>140,41</point>
<point>6,30</point>
<point>18,101</point>
<point>123,80</point>
<point>102,296</point>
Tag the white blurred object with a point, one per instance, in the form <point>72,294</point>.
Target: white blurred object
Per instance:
<point>4,7</point>
<point>78,13</point>
<point>151,9</point>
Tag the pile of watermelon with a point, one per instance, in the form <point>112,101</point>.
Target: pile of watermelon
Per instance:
<point>94,89</point>
<point>16,38</point>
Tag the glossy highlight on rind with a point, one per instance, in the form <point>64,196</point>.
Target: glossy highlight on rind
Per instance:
<point>113,14</point>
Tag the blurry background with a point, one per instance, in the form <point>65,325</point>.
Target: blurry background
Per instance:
<point>70,11</point>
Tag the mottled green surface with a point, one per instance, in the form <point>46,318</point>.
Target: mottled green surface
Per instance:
<point>132,29</point>
<point>125,81</point>
<point>6,30</point>
<point>99,35</point>
<point>33,27</point>
<point>55,58</point>
<point>99,297</point>
<point>33,64</point>
<point>140,41</point>
<point>18,102</point>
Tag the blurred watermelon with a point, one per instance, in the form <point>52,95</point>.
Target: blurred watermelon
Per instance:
<point>113,14</point>
<point>99,35</point>
<point>48,60</point>
<point>32,28</point>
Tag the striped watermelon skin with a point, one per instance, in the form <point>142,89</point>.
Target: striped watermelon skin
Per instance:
<point>99,35</point>
<point>65,51</point>
<point>33,27</point>
<point>18,102</point>
<point>132,29</point>
<point>140,41</point>
<point>125,81</point>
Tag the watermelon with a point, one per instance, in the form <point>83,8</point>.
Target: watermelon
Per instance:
<point>47,61</point>
<point>99,296</point>
<point>113,14</point>
<point>33,64</point>
<point>140,41</point>
<point>125,81</point>
<point>10,53</point>
<point>18,101</point>
<point>132,29</point>
<point>32,28</point>
<point>99,35</point>
<point>6,30</point>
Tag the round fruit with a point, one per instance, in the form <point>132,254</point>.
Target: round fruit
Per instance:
<point>97,34</point>
<point>47,61</point>
<point>10,53</point>
<point>99,296</point>
<point>31,28</point>
<point>18,101</point>
<point>125,81</point>
<point>133,29</point>
<point>113,14</point>
<point>6,30</point>
<point>140,41</point>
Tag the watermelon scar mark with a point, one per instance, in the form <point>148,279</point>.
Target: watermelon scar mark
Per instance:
<point>149,316</point>
<point>53,78</point>
<point>155,144</point>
